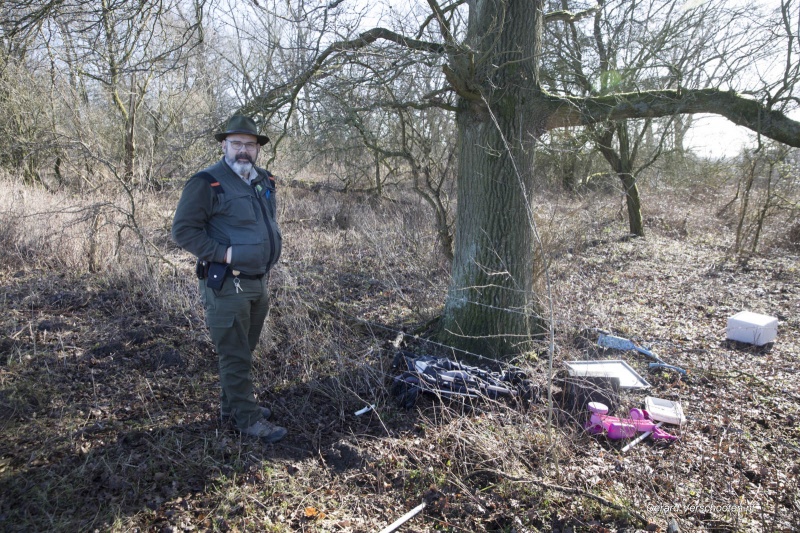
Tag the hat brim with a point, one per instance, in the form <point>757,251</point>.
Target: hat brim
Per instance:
<point>261,139</point>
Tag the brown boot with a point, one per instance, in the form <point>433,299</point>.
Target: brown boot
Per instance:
<point>265,431</point>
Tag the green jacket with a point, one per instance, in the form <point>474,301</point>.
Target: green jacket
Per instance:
<point>218,209</point>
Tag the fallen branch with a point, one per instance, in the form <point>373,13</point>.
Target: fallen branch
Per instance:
<point>567,490</point>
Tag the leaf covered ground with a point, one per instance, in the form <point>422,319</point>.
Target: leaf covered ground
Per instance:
<point>108,398</point>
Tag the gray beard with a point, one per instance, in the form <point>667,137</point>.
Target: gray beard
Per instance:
<point>241,168</point>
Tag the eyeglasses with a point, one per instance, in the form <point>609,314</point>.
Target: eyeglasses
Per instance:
<point>237,145</point>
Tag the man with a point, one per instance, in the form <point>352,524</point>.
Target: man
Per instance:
<point>226,217</point>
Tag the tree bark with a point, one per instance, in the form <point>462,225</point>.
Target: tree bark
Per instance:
<point>490,305</point>
<point>628,178</point>
<point>622,163</point>
<point>633,203</point>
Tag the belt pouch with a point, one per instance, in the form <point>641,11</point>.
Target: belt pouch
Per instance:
<point>216,275</point>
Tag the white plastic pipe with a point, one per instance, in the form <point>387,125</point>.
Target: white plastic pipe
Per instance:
<point>365,410</point>
<point>403,519</point>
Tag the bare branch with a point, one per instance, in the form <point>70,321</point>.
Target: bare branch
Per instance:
<point>444,26</point>
<point>569,16</point>
<point>287,92</point>
<point>439,13</point>
<point>651,104</point>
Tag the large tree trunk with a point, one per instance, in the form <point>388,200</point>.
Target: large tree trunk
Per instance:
<point>491,302</point>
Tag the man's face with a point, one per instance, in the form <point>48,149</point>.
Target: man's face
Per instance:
<point>241,151</point>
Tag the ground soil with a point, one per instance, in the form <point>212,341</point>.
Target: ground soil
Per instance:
<point>109,412</point>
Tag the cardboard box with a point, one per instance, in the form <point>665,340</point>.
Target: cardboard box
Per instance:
<point>752,328</point>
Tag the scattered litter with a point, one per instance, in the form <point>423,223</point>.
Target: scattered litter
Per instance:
<point>653,366</point>
<point>640,438</point>
<point>665,411</point>
<point>620,343</point>
<point>616,428</point>
<point>365,410</point>
<point>640,423</point>
<point>451,379</point>
<point>752,328</point>
<point>611,368</point>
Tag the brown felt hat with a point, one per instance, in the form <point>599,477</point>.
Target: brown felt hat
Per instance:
<point>241,124</point>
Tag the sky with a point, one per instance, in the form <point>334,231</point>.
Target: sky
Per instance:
<point>714,136</point>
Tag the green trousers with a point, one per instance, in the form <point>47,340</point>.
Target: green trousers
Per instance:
<point>235,316</point>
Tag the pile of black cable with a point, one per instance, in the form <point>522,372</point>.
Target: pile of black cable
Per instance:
<point>446,378</point>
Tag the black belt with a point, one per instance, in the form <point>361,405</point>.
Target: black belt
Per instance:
<point>248,276</point>
<point>202,268</point>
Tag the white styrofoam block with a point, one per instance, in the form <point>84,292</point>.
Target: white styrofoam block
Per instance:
<point>752,328</point>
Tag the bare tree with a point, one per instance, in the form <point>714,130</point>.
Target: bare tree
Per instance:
<point>111,50</point>
<point>102,76</point>
<point>364,134</point>
<point>643,45</point>
<point>768,179</point>
<point>502,109</point>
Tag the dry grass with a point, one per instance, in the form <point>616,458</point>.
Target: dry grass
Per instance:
<point>108,394</point>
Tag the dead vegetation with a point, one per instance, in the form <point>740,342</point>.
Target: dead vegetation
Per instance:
<point>108,395</point>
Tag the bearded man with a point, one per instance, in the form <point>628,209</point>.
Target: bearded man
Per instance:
<point>226,217</point>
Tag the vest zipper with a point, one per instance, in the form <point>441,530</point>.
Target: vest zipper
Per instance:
<point>266,223</point>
